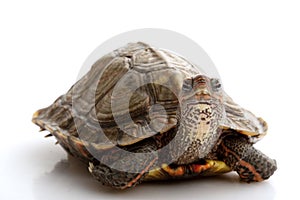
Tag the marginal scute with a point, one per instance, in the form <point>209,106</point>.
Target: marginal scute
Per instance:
<point>243,121</point>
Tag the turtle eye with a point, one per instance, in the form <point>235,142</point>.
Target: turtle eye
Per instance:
<point>187,84</point>
<point>216,85</point>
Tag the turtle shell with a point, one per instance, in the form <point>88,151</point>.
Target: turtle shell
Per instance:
<point>128,95</point>
<point>122,96</point>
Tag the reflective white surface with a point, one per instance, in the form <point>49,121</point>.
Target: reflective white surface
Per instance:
<point>254,45</point>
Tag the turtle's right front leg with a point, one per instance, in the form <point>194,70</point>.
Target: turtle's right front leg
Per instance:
<point>126,171</point>
<point>118,179</point>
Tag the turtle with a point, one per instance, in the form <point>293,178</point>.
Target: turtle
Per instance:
<point>143,113</point>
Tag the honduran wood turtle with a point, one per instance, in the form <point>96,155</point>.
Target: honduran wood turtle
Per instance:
<point>143,113</point>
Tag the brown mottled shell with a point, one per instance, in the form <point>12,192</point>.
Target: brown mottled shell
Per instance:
<point>160,75</point>
<point>89,102</point>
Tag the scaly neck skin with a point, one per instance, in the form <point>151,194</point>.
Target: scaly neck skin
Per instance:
<point>197,132</point>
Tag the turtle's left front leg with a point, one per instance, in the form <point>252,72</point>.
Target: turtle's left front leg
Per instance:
<point>248,162</point>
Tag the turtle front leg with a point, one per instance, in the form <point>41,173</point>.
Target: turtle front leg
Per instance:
<point>251,164</point>
<point>125,171</point>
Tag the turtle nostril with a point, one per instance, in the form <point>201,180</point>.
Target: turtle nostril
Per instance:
<point>202,80</point>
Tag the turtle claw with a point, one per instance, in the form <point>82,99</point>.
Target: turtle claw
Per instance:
<point>49,135</point>
<point>91,167</point>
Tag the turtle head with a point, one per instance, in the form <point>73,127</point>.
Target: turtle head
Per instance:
<point>200,88</point>
<point>201,113</point>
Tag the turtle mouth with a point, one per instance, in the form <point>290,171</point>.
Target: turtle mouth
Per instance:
<point>198,95</point>
<point>203,92</point>
<point>195,102</point>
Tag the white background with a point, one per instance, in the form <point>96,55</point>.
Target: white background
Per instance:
<point>255,46</point>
